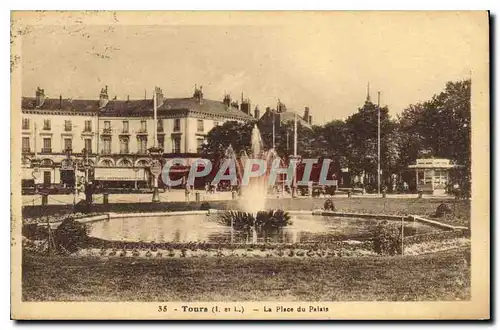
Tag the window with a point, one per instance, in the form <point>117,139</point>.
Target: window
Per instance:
<point>47,145</point>
<point>125,126</point>
<point>26,123</point>
<point>46,124</point>
<point>88,126</point>
<point>177,125</point>
<point>88,145</point>
<point>124,145</point>
<point>160,125</point>
<point>176,145</point>
<point>428,177</point>
<point>106,145</point>
<point>199,145</point>
<point>161,142</point>
<point>125,163</point>
<point>421,178</point>
<point>26,144</point>
<point>142,144</point>
<point>67,125</point>
<point>67,144</point>
<point>106,163</point>
<point>144,126</point>
<point>200,125</point>
<point>107,127</point>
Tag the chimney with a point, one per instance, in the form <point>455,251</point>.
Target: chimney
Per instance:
<point>103,97</point>
<point>235,104</point>
<point>159,96</point>
<point>306,114</point>
<point>198,93</point>
<point>128,98</point>
<point>40,97</point>
<point>245,106</point>
<point>256,112</point>
<point>310,119</point>
<point>227,100</point>
<point>60,102</point>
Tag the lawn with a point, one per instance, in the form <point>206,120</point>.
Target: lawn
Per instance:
<point>439,276</point>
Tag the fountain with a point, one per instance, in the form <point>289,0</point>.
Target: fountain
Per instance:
<point>252,217</point>
<point>256,191</point>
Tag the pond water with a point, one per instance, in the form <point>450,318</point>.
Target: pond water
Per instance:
<point>203,228</point>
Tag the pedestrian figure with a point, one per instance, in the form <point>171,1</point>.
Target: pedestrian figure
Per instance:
<point>187,192</point>
<point>405,187</point>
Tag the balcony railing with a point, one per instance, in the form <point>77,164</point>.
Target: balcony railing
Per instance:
<point>26,150</point>
<point>142,131</point>
<point>46,150</point>
<point>105,152</point>
<point>46,128</point>
<point>106,130</point>
<point>124,151</point>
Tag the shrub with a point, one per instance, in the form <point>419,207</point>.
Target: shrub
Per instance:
<point>205,206</point>
<point>35,232</point>
<point>70,235</point>
<point>83,207</point>
<point>387,239</point>
<point>442,210</point>
<point>329,206</point>
<point>272,220</point>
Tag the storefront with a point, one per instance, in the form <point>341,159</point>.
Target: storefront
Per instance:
<point>433,175</point>
<point>121,177</point>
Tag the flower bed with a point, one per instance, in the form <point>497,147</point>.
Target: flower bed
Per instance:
<point>228,252</point>
<point>437,236</point>
<point>193,246</point>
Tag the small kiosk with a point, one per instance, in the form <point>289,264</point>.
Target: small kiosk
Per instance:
<point>433,175</point>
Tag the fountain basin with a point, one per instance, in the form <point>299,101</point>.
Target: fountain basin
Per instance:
<point>202,226</point>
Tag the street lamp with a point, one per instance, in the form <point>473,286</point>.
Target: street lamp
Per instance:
<point>155,168</point>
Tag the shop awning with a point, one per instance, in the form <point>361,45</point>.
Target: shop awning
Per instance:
<point>119,174</point>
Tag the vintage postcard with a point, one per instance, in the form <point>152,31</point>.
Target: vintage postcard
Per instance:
<point>250,165</point>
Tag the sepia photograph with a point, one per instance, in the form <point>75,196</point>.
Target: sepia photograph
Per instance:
<point>250,165</point>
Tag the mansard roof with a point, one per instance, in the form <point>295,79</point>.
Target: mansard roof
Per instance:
<point>135,108</point>
<point>65,105</point>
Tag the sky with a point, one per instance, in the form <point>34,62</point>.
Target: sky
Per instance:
<point>322,61</point>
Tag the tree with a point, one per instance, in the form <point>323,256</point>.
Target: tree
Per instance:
<point>233,133</point>
<point>284,135</point>
<point>362,139</point>
<point>440,126</point>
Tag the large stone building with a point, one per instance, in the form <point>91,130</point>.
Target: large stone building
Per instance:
<point>280,115</point>
<point>117,133</point>
<point>53,126</point>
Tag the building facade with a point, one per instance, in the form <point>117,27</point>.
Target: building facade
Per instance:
<point>117,134</point>
<point>52,129</point>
